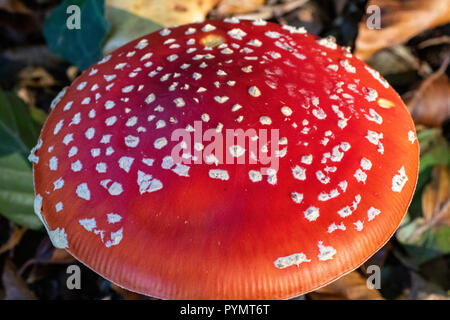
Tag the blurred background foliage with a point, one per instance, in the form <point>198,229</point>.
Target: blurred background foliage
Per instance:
<point>39,56</point>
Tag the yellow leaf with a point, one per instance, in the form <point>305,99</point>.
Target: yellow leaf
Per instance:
<point>228,7</point>
<point>168,12</point>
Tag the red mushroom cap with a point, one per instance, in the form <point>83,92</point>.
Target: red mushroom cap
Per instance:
<point>342,150</point>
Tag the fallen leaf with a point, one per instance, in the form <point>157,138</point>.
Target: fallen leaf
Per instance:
<point>399,66</point>
<point>126,27</point>
<point>400,21</point>
<point>61,256</point>
<point>433,296</point>
<point>16,191</point>
<point>434,149</point>
<point>167,13</point>
<point>393,60</point>
<point>132,19</point>
<point>14,6</point>
<point>436,197</point>
<point>18,132</point>
<point>13,240</point>
<point>352,286</point>
<point>229,7</point>
<point>423,243</point>
<point>15,287</point>
<point>430,104</point>
<point>428,237</point>
<point>72,73</point>
<point>35,77</point>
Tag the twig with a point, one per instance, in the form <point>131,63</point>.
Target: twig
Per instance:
<point>434,42</point>
<point>433,221</point>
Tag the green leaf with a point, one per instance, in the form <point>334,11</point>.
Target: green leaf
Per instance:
<point>434,149</point>
<point>18,131</point>
<point>38,115</point>
<point>17,192</point>
<point>415,208</point>
<point>443,238</point>
<point>83,46</point>
<point>427,135</point>
<point>425,245</point>
<point>126,27</point>
<point>438,154</point>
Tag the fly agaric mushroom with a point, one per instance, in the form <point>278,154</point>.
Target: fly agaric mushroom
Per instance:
<point>110,190</point>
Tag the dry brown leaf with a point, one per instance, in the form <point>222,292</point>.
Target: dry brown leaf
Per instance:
<point>434,296</point>
<point>430,104</point>
<point>13,6</point>
<point>168,12</point>
<point>435,202</point>
<point>437,192</point>
<point>428,201</point>
<point>352,286</point>
<point>13,240</point>
<point>15,286</point>
<point>72,73</point>
<point>35,77</point>
<point>400,21</point>
<point>61,256</point>
<point>435,198</point>
<point>228,7</point>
